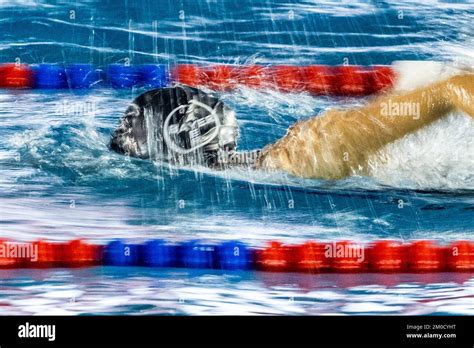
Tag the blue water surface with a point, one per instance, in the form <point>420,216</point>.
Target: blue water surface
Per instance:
<point>58,179</point>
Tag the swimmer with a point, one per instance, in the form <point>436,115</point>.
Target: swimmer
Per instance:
<point>186,126</point>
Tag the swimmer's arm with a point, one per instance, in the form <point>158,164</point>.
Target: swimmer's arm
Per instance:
<point>339,142</point>
<point>460,92</point>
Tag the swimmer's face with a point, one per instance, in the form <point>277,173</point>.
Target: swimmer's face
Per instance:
<point>126,137</point>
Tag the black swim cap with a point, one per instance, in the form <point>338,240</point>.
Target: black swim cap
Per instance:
<point>181,125</point>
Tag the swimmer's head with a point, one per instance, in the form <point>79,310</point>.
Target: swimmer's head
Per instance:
<point>179,125</point>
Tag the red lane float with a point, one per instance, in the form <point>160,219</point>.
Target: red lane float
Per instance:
<point>254,76</point>
<point>311,257</point>
<point>77,253</point>
<point>220,77</point>
<point>348,257</point>
<point>425,256</point>
<point>460,256</point>
<point>43,254</point>
<point>16,76</point>
<point>381,78</point>
<point>7,260</point>
<point>49,254</point>
<point>387,256</point>
<point>276,257</point>
<point>188,74</point>
<point>288,78</point>
<point>351,80</point>
<point>319,80</point>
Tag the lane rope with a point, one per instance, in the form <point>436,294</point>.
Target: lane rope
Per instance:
<point>354,80</point>
<point>383,256</point>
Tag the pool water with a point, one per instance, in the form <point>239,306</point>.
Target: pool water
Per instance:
<point>59,180</point>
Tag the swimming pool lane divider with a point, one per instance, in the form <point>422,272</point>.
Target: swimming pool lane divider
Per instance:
<point>384,256</point>
<point>352,80</point>
<point>341,80</point>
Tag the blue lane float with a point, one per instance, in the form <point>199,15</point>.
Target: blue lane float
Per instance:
<point>50,76</point>
<point>83,76</point>
<point>154,75</point>
<point>198,255</point>
<point>235,255</point>
<point>158,253</point>
<point>123,76</point>
<point>128,76</point>
<point>118,253</point>
<point>231,255</point>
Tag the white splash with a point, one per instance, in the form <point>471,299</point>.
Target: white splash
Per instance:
<point>439,156</point>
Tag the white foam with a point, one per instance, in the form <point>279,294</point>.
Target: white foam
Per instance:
<point>413,74</point>
<point>439,156</point>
